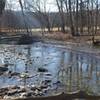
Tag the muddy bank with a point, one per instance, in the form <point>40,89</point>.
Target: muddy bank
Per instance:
<point>19,39</point>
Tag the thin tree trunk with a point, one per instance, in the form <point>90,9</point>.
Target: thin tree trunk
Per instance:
<point>61,12</point>
<point>96,18</point>
<point>77,6</point>
<point>71,19</point>
<point>88,17</point>
<point>81,16</point>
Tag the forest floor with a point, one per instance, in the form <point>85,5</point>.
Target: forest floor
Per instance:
<point>65,37</point>
<point>58,36</point>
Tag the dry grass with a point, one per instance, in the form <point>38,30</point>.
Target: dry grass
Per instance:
<point>58,36</point>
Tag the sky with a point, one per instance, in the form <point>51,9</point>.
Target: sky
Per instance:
<point>50,5</point>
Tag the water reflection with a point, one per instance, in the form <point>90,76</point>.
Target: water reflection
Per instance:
<point>76,71</point>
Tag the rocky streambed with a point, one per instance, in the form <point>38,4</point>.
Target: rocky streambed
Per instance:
<point>43,88</point>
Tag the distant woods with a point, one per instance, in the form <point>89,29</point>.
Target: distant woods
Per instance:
<point>78,17</point>
<point>81,16</point>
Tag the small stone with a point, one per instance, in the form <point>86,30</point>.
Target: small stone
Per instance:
<point>12,92</point>
<point>22,90</point>
<point>33,88</point>
<point>46,82</point>
<point>45,90</point>
<point>36,92</point>
<point>37,57</point>
<point>58,83</point>
<point>9,72</point>
<point>1,98</point>
<point>29,94</point>
<point>3,69</point>
<point>15,87</point>
<point>3,90</point>
<point>15,74</point>
<point>6,97</point>
<point>26,94</point>
<point>42,70</point>
<point>44,87</point>
<point>20,54</point>
<point>39,88</point>
<point>23,95</point>
<point>6,65</point>
<point>24,75</point>
<point>40,93</point>
<point>48,74</point>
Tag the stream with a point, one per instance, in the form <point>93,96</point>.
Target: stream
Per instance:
<point>65,70</point>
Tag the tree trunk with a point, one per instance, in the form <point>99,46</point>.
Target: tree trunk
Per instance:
<point>61,12</point>
<point>96,18</point>
<point>88,18</point>
<point>2,5</point>
<point>81,16</point>
<point>77,6</point>
<point>71,19</point>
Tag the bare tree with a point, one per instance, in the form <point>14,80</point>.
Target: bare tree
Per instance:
<point>38,9</point>
<point>71,18</point>
<point>81,16</point>
<point>77,16</point>
<point>88,16</point>
<point>60,4</point>
<point>2,7</point>
<point>96,15</point>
